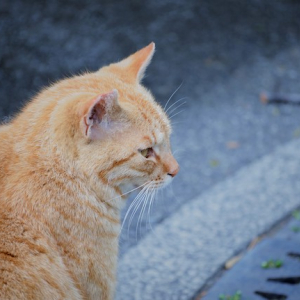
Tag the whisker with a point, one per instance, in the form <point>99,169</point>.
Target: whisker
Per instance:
<point>172,110</point>
<point>138,203</point>
<point>148,213</point>
<point>132,204</point>
<point>142,200</point>
<point>153,193</point>
<point>179,150</point>
<point>173,95</point>
<point>176,114</point>
<point>134,212</point>
<point>149,209</point>
<point>130,191</point>
<point>137,207</point>
<point>141,215</point>
<point>179,122</point>
<point>175,103</point>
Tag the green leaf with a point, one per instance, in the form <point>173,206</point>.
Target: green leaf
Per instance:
<point>272,264</point>
<point>296,228</point>
<point>278,263</point>
<point>296,214</point>
<point>236,296</point>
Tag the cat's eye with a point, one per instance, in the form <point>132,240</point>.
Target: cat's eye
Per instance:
<point>147,152</point>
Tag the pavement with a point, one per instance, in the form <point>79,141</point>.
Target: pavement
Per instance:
<point>256,277</point>
<point>190,246</point>
<point>239,159</point>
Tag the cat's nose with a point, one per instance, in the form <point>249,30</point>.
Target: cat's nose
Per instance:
<point>174,168</point>
<point>173,173</point>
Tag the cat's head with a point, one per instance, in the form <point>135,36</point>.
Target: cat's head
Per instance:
<point>123,133</point>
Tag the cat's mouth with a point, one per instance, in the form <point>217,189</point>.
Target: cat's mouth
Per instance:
<point>159,184</point>
<point>151,185</point>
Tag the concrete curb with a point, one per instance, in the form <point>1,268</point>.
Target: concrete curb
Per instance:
<point>182,252</point>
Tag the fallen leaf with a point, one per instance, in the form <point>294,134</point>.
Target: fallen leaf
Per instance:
<point>232,145</point>
<point>231,262</point>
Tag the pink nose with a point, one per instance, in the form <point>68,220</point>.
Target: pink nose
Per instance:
<point>174,172</point>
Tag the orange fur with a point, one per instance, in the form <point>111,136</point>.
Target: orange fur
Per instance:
<point>66,160</point>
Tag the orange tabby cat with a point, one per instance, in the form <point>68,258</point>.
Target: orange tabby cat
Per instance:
<point>66,160</point>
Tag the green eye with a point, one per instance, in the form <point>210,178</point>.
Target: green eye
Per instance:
<point>147,152</point>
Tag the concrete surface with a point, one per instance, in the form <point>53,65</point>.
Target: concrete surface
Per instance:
<point>248,277</point>
<point>185,250</point>
<point>223,52</point>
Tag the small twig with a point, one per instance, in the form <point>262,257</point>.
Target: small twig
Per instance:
<point>266,98</point>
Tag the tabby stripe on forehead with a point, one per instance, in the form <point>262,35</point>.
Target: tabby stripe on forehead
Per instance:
<point>144,115</point>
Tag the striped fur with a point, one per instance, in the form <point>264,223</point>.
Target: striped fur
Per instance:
<point>66,160</point>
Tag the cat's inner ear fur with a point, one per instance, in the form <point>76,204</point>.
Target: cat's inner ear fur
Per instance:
<point>135,65</point>
<point>101,115</point>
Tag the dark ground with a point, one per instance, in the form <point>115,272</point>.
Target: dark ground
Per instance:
<point>224,52</point>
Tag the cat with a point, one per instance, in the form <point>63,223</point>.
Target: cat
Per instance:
<point>68,160</point>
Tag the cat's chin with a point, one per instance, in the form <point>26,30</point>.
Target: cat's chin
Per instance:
<point>167,181</point>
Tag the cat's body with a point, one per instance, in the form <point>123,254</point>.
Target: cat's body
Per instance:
<point>66,159</point>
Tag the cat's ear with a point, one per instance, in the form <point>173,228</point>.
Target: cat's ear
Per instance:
<point>100,115</point>
<point>135,65</point>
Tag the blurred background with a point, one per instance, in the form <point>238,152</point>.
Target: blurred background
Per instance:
<point>222,55</point>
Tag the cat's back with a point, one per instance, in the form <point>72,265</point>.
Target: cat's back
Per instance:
<point>30,266</point>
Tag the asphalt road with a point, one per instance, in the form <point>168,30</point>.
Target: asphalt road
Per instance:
<point>224,53</point>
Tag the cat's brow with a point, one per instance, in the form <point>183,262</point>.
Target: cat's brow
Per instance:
<point>158,136</point>
<point>147,138</point>
<point>154,137</point>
